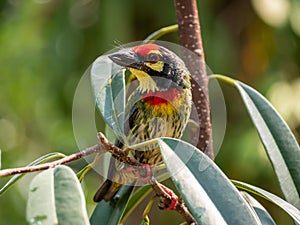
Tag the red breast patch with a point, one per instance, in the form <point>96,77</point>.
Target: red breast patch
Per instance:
<point>161,97</point>
<point>145,49</point>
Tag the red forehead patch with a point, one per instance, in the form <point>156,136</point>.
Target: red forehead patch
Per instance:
<point>145,49</point>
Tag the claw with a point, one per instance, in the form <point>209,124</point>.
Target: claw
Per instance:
<point>143,173</point>
<point>128,169</point>
<point>174,198</point>
<point>146,175</point>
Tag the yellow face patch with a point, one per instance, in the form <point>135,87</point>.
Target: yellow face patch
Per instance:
<point>157,66</point>
<point>146,82</point>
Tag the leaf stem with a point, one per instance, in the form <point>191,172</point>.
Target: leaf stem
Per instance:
<point>148,207</point>
<point>223,78</point>
<point>159,33</point>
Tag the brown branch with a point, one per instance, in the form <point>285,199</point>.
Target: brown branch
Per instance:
<point>88,151</point>
<point>166,199</point>
<point>159,191</point>
<point>156,186</point>
<point>118,152</point>
<point>104,146</point>
<point>190,38</point>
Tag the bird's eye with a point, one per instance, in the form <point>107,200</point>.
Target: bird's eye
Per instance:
<point>153,57</point>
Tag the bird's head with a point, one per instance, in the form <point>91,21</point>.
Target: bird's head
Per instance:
<point>156,67</point>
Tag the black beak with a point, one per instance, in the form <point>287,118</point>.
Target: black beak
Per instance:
<point>125,59</point>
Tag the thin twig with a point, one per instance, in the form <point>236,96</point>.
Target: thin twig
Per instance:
<point>190,38</point>
<point>156,186</point>
<point>118,152</point>
<point>88,151</point>
<point>103,146</point>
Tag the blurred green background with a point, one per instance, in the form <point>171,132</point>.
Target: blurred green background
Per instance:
<point>46,45</point>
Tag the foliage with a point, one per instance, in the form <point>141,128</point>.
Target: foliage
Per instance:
<point>209,194</point>
<point>200,182</point>
<point>35,111</point>
<point>55,197</point>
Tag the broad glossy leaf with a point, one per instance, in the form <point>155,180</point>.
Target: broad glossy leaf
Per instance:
<point>69,197</point>
<point>208,193</point>
<point>110,213</point>
<point>280,143</point>
<point>56,197</point>
<point>108,84</point>
<point>41,200</point>
<point>287,207</point>
<point>263,215</point>
<point>38,161</point>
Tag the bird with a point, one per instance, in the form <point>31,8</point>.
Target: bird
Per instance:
<point>159,106</point>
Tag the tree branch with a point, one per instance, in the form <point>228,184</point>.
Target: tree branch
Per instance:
<point>88,151</point>
<point>166,199</point>
<point>190,38</point>
<point>156,186</point>
<point>103,146</point>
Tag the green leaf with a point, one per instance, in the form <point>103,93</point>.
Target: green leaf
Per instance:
<point>41,200</point>
<point>280,144</point>
<point>263,215</point>
<point>208,193</point>
<point>110,213</point>
<point>56,197</point>
<point>69,198</point>
<point>38,161</point>
<point>278,140</point>
<point>108,84</point>
<point>287,207</point>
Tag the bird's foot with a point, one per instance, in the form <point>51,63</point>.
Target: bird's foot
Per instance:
<point>145,173</point>
<point>174,199</point>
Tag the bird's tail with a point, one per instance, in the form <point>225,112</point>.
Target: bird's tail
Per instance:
<point>116,178</point>
<point>107,191</point>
